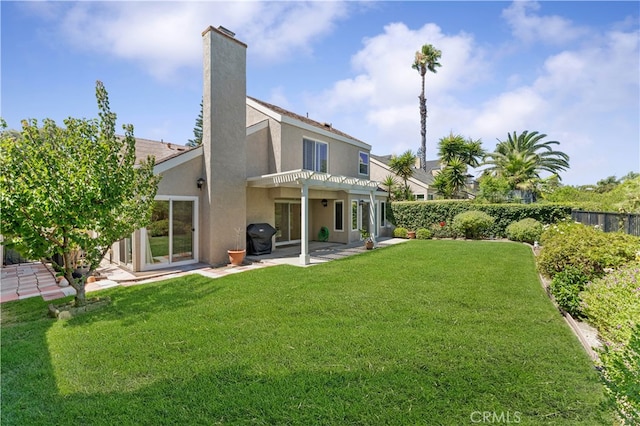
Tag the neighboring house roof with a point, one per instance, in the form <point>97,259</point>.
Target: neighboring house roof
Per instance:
<point>326,127</point>
<point>162,151</point>
<point>418,173</point>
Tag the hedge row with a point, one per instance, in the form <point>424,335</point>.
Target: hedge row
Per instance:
<point>415,215</point>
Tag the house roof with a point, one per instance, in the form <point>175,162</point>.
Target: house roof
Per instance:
<point>327,127</point>
<point>162,151</point>
<point>418,173</point>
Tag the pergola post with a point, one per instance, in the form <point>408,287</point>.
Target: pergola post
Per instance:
<point>305,259</point>
<point>373,229</point>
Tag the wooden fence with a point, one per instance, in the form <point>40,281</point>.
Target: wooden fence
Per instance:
<point>609,222</point>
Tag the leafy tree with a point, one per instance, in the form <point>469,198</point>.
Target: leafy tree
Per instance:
<point>404,166</point>
<point>493,189</point>
<point>197,131</point>
<point>457,154</point>
<point>426,59</point>
<point>521,158</point>
<point>73,190</point>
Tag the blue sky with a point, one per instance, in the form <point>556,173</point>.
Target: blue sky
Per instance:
<point>570,70</point>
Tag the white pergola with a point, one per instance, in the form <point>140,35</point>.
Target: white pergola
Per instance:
<point>307,179</point>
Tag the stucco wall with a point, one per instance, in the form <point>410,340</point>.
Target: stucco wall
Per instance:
<point>181,180</point>
<point>343,157</point>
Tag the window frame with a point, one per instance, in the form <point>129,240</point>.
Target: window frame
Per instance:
<point>316,159</point>
<point>362,163</point>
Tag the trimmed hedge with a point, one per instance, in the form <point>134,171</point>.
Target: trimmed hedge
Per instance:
<point>424,214</point>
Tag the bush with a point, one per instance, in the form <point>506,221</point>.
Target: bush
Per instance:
<point>566,287</point>
<point>588,249</point>
<point>621,372</point>
<point>526,230</point>
<point>400,232</point>
<point>472,224</point>
<point>612,303</point>
<point>423,234</point>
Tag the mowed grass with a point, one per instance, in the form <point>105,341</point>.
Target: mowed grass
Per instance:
<point>425,332</point>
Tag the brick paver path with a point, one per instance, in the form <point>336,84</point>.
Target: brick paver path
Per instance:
<point>30,280</point>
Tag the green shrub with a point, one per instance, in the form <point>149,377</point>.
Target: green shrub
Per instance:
<point>612,303</point>
<point>566,287</point>
<point>442,230</point>
<point>526,230</point>
<point>423,214</point>
<point>621,372</point>
<point>423,234</point>
<point>472,224</point>
<point>400,232</point>
<point>590,250</point>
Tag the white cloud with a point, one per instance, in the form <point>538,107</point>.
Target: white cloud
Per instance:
<point>165,36</point>
<point>385,88</point>
<point>580,96</point>
<point>529,27</point>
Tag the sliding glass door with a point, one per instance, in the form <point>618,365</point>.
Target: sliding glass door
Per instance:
<point>171,236</point>
<point>288,222</point>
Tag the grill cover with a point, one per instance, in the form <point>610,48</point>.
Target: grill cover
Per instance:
<point>259,238</point>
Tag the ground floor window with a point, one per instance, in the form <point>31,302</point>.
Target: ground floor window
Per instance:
<point>338,217</point>
<point>125,251</point>
<point>383,213</point>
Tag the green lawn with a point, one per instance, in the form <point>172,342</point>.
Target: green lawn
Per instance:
<point>425,332</point>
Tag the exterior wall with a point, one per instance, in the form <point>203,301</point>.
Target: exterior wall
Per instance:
<point>260,206</point>
<point>274,133</point>
<point>260,158</point>
<point>224,144</point>
<point>343,157</point>
<point>181,180</point>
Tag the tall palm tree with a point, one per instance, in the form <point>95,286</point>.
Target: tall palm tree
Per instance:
<point>521,158</point>
<point>403,167</point>
<point>426,59</point>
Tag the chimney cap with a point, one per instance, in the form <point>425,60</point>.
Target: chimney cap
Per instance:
<point>227,31</point>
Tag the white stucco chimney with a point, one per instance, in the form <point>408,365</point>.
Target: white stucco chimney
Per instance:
<point>224,143</point>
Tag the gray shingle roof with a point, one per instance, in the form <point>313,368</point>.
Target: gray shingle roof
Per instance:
<point>162,151</point>
<point>324,126</point>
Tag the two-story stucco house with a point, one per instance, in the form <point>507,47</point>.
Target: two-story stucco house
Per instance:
<point>258,163</point>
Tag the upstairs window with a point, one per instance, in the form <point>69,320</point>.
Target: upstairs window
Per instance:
<point>315,156</point>
<point>364,163</point>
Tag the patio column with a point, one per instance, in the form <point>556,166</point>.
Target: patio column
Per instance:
<point>305,259</point>
<point>372,217</point>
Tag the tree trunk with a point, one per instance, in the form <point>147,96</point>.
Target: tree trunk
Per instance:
<point>423,124</point>
<point>76,283</point>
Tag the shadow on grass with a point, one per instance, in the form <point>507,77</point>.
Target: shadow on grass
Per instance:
<point>130,305</point>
